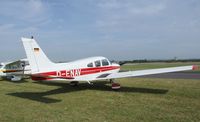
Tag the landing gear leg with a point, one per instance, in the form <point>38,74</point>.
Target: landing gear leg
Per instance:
<point>111,81</point>
<point>89,82</point>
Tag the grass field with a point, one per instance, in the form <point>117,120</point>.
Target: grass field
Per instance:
<point>140,99</point>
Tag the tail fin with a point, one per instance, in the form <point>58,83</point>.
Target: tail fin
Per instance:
<point>37,58</point>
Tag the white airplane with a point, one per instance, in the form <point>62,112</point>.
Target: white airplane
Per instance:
<point>15,70</point>
<point>84,70</point>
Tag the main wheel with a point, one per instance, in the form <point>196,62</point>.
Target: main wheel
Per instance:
<point>116,86</point>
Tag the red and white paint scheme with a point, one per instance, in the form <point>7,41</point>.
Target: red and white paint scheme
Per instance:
<point>86,70</point>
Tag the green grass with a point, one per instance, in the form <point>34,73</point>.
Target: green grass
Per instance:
<point>140,99</point>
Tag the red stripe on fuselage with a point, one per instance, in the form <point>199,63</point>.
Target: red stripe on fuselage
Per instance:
<point>39,78</point>
<point>67,73</point>
<point>87,71</point>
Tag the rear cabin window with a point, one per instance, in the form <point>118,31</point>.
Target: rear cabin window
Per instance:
<point>90,65</point>
<point>105,62</point>
<point>97,63</point>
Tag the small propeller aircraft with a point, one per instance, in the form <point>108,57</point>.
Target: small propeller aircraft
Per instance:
<point>84,70</point>
<point>15,70</point>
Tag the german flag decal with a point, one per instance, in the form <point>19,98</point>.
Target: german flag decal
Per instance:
<point>36,49</point>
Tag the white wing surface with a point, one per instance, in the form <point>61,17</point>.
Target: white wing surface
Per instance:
<point>146,72</point>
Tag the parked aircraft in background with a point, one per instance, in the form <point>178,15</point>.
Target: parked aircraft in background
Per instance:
<point>84,70</point>
<point>15,70</point>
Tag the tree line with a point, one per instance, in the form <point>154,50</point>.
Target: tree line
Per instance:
<point>158,60</point>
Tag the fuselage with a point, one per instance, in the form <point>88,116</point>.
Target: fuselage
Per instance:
<point>87,69</point>
<point>10,70</point>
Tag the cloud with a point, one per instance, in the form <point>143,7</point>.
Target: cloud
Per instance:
<point>110,4</point>
<point>132,7</point>
<point>138,28</point>
<point>6,27</point>
<point>22,17</point>
<point>115,13</point>
<point>148,10</point>
<point>23,10</point>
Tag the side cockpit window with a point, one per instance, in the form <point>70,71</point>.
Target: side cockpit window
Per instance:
<point>105,62</point>
<point>97,63</point>
<point>90,65</point>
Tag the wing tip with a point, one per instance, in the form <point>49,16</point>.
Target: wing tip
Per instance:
<point>195,67</point>
<point>24,39</point>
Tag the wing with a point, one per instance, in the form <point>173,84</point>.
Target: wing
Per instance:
<point>145,72</point>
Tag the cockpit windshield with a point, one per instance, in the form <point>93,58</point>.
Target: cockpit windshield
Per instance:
<point>105,62</point>
<point>97,63</point>
<point>1,66</point>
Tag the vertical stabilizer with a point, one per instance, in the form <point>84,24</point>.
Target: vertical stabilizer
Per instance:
<point>36,57</point>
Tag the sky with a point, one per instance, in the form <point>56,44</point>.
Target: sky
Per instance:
<point>117,29</point>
